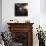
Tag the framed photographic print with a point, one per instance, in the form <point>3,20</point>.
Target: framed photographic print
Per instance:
<point>21,9</point>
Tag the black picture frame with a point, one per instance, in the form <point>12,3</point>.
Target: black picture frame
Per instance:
<point>20,9</point>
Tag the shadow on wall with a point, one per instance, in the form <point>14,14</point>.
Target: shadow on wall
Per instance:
<point>43,6</point>
<point>0,15</point>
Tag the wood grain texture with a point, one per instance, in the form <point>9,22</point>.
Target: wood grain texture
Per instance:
<point>23,27</point>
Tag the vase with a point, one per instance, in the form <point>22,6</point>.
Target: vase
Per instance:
<point>41,43</point>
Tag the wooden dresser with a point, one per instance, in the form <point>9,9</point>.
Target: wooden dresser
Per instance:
<point>22,33</point>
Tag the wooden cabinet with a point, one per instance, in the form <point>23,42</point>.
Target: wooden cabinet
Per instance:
<point>22,33</point>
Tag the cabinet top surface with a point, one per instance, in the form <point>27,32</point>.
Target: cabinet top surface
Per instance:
<point>19,23</point>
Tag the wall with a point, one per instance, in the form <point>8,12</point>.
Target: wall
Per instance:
<point>8,11</point>
<point>0,15</point>
<point>43,14</point>
<point>34,15</point>
<point>43,5</point>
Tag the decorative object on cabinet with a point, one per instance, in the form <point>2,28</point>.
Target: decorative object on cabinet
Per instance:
<point>27,21</point>
<point>22,33</point>
<point>14,21</point>
<point>21,9</point>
